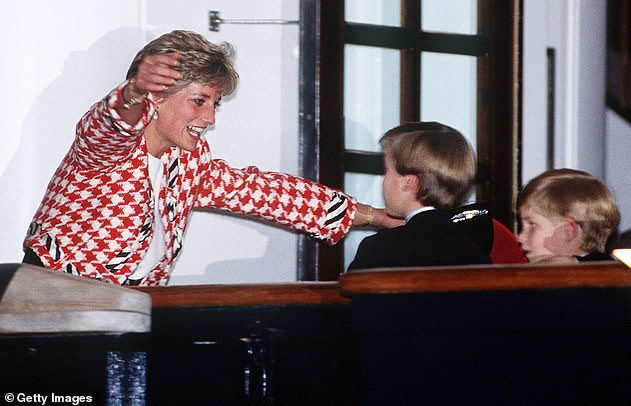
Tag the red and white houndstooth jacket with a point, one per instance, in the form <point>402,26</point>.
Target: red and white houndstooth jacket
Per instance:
<point>97,214</point>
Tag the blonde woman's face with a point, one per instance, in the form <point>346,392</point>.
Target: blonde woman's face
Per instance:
<point>182,118</point>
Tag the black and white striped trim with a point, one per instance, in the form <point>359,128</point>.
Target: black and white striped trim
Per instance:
<point>119,260</point>
<point>71,269</point>
<point>336,211</point>
<point>173,170</point>
<point>171,208</point>
<point>146,228</point>
<point>52,246</point>
<point>177,242</point>
<point>34,228</point>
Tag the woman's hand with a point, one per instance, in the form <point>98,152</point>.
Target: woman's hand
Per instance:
<point>156,73</point>
<point>369,216</point>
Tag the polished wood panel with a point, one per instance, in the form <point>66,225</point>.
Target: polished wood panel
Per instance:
<point>299,293</point>
<point>330,119</point>
<point>499,108</point>
<point>486,277</point>
<point>403,280</point>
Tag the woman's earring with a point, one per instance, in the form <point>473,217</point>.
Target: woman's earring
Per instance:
<point>155,113</point>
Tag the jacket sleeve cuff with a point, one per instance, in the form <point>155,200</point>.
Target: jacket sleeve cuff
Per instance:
<point>113,100</point>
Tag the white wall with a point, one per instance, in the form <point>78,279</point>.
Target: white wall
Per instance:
<point>576,29</point>
<point>588,137</point>
<point>56,64</point>
<point>62,56</point>
<point>618,165</point>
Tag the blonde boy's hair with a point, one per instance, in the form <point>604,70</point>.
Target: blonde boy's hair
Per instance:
<point>439,156</point>
<point>560,193</point>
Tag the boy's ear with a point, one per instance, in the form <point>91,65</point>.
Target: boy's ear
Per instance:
<point>572,230</point>
<point>411,183</point>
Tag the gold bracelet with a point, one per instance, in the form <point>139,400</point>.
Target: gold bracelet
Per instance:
<point>134,100</point>
<point>369,216</point>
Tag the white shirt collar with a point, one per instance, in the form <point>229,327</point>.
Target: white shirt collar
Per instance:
<point>417,211</point>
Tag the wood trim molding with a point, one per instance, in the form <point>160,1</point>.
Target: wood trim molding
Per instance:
<point>288,294</point>
<point>410,80</point>
<point>330,119</point>
<point>486,277</point>
<point>499,106</point>
<point>387,281</point>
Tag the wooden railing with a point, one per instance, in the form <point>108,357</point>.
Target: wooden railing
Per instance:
<point>299,293</point>
<point>485,277</point>
<point>427,279</point>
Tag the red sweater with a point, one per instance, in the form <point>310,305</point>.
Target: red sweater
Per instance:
<point>96,217</point>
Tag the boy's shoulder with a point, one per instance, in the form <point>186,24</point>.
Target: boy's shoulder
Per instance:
<point>431,224</point>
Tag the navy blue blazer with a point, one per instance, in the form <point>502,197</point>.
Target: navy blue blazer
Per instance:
<point>594,256</point>
<point>430,238</point>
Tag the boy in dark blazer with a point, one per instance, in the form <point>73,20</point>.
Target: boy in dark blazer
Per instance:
<point>429,169</point>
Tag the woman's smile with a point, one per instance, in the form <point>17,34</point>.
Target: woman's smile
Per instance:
<point>195,131</point>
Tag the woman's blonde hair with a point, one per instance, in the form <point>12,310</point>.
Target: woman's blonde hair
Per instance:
<point>439,156</point>
<point>560,193</point>
<point>201,61</point>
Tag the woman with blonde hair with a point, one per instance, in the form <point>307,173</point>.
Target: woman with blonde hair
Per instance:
<point>118,205</point>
